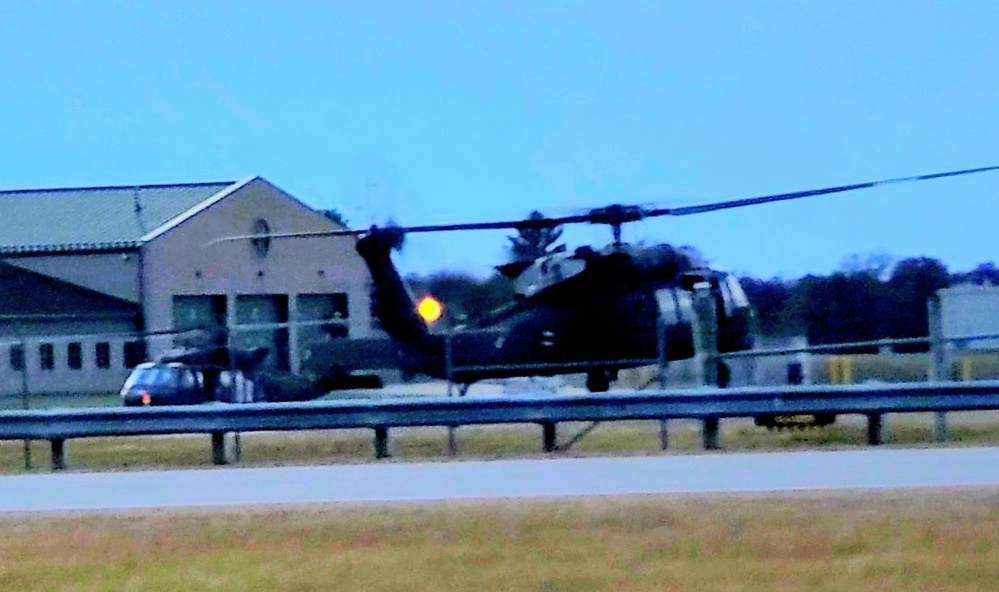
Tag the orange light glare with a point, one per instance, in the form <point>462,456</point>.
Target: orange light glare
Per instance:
<point>430,309</point>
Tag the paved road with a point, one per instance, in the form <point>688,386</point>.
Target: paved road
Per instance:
<point>863,469</point>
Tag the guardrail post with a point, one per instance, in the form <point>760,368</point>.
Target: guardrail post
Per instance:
<point>663,434</point>
<point>549,435</point>
<point>938,361</point>
<point>940,432</point>
<point>967,375</point>
<point>874,425</point>
<point>219,456</point>
<point>706,334</point>
<point>448,368</point>
<point>711,433</point>
<point>452,440</point>
<point>661,351</point>
<point>25,397</point>
<point>58,454</point>
<point>237,447</point>
<point>381,443</point>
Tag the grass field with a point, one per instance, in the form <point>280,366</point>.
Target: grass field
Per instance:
<point>62,400</point>
<point>827,541</point>
<point>488,442</point>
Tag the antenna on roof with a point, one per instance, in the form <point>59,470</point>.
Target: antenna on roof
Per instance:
<point>137,208</point>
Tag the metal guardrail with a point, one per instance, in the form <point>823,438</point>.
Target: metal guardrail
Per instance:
<point>709,405</point>
<point>852,345</point>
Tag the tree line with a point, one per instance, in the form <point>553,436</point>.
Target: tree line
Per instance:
<point>858,303</point>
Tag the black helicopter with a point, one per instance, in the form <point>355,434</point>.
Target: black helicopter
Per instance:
<point>204,365</point>
<point>593,311</point>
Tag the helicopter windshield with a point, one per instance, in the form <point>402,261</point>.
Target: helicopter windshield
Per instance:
<point>154,376</point>
<point>739,297</point>
<point>546,272</point>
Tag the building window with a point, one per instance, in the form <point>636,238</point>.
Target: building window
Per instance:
<point>103,354</point>
<point>342,310</point>
<point>330,309</point>
<point>17,357</point>
<point>264,309</point>
<point>46,356</point>
<point>135,353</point>
<point>74,355</point>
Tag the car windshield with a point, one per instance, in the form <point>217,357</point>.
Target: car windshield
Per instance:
<point>154,376</point>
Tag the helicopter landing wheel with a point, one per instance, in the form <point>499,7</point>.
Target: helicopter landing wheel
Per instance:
<point>598,381</point>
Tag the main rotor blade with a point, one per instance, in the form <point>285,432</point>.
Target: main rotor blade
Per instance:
<point>250,237</point>
<point>613,215</point>
<point>499,225</point>
<point>619,214</point>
<point>752,201</point>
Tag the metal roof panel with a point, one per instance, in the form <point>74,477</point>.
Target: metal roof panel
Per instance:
<point>92,218</point>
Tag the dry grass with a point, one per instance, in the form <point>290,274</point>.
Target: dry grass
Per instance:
<point>915,367</point>
<point>893,541</point>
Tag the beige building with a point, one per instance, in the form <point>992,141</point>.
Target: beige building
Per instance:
<point>82,270</point>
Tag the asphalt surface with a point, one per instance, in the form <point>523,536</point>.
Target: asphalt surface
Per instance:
<point>415,482</point>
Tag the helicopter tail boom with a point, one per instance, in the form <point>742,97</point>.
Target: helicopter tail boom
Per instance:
<point>393,304</point>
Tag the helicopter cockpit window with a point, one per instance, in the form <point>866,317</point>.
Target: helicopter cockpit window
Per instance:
<point>739,297</point>
<point>727,305</point>
<point>152,376</point>
<point>685,305</point>
<point>668,308</point>
<point>547,272</point>
<point>187,380</point>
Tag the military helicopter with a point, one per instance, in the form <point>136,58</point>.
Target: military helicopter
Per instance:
<point>204,366</point>
<point>592,311</point>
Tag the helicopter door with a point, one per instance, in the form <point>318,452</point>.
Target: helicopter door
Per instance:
<point>722,290</point>
<point>676,309</point>
<point>681,343</point>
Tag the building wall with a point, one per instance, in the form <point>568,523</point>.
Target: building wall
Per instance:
<point>177,261</point>
<point>48,327</point>
<point>114,274</point>
<point>92,373</point>
<point>181,261</point>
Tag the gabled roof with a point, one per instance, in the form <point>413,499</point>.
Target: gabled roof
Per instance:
<point>93,218</point>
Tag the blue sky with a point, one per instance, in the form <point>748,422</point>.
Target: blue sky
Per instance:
<point>428,112</point>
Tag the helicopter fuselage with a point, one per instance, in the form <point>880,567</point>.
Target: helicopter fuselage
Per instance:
<point>593,312</point>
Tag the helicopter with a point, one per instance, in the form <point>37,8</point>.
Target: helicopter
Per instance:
<point>205,366</point>
<point>589,310</point>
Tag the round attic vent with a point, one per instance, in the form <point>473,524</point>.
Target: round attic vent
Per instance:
<point>262,243</point>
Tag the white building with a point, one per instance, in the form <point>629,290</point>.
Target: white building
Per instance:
<point>970,310</point>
